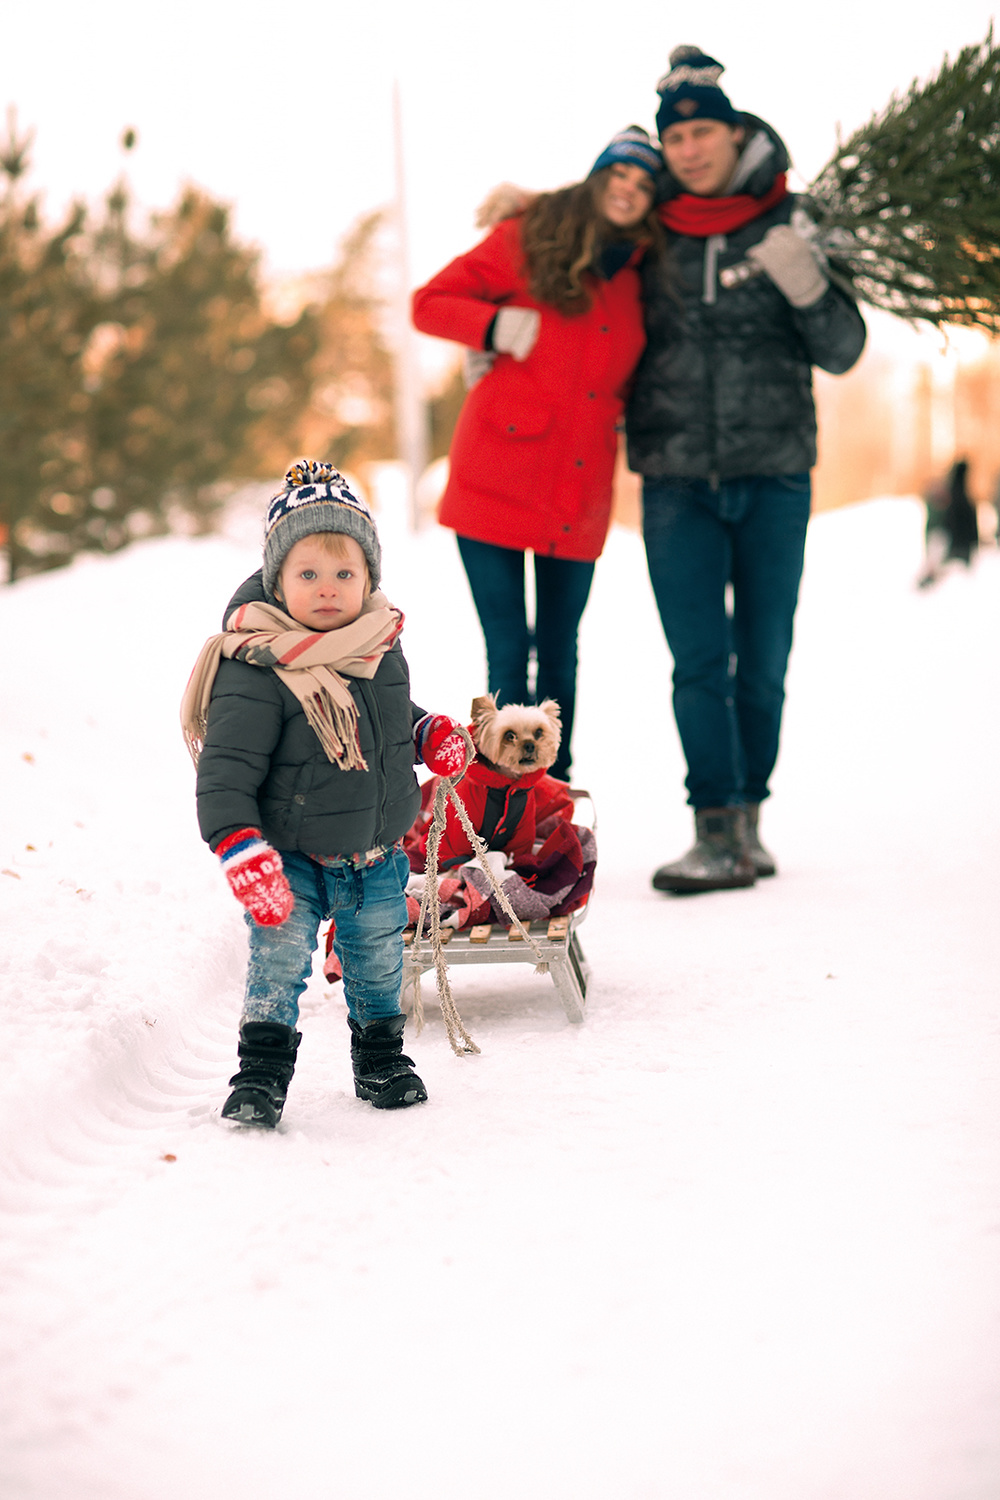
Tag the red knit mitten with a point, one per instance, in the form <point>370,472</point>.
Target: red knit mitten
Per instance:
<point>254,872</point>
<point>441,745</point>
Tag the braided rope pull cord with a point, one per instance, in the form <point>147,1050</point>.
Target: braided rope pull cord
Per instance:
<point>429,904</point>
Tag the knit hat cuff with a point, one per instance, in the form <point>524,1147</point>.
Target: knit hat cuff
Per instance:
<point>631,146</point>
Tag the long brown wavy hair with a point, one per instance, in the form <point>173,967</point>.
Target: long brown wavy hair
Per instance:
<point>563,234</point>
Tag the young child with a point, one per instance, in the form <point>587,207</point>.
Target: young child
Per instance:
<point>300,722</point>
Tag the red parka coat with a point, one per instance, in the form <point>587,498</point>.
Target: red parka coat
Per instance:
<point>533,456</point>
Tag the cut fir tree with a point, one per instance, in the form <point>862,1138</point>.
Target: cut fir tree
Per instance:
<point>910,204</point>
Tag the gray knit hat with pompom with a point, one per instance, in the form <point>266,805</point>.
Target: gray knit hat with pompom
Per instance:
<point>315,498</point>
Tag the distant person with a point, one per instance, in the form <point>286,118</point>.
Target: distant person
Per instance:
<point>722,426</point>
<point>952,530</point>
<point>961,521</point>
<point>553,292</point>
<point>300,721</point>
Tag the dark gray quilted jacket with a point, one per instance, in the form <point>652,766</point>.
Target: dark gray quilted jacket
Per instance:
<point>263,766</point>
<point>724,388</point>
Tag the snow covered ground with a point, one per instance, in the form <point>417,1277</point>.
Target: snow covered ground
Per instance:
<point>734,1238</point>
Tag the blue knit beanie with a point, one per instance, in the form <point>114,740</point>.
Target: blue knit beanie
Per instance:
<point>315,498</point>
<point>690,91</point>
<point>633,147</point>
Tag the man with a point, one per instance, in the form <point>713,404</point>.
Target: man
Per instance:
<point>722,426</point>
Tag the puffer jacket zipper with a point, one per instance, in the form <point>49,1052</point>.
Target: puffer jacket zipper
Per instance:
<point>375,714</point>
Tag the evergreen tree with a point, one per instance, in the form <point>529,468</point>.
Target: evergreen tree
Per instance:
<point>138,369</point>
<point>190,375</point>
<point>43,328</point>
<point>911,202</point>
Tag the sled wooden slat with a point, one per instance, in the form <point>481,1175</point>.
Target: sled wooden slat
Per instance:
<point>556,939</point>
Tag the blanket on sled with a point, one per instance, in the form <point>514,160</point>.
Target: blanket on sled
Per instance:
<point>553,879</point>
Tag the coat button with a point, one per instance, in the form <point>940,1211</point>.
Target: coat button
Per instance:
<point>590,395</point>
<point>299,798</point>
<point>579,463</point>
<point>604,328</point>
<point>567,528</point>
<point>511,427</point>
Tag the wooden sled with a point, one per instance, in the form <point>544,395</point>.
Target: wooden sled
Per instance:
<point>556,939</point>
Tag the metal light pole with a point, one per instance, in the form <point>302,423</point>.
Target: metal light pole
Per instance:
<point>411,413</point>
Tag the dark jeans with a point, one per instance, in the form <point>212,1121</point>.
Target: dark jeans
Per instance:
<point>729,668</point>
<point>496,578</point>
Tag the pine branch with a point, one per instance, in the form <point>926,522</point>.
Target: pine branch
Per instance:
<point>910,204</point>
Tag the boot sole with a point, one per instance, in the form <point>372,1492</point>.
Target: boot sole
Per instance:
<point>683,885</point>
<point>398,1095</point>
<point>250,1111</point>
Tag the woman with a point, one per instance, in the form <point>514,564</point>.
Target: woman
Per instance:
<point>554,294</point>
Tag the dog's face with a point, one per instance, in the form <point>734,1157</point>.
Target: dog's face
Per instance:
<point>517,738</point>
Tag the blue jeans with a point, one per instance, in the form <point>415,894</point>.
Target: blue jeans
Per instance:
<point>370,910</point>
<point>729,668</point>
<point>562,587</point>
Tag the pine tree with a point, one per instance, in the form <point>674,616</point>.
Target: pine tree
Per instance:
<point>910,204</point>
<point>139,370</point>
<point>192,374</point>
<point>43,329</point>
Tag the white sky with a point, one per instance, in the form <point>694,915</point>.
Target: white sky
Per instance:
<point>285,111</point>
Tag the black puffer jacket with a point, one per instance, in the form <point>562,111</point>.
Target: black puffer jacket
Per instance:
<point>724,388</point>
<point>263,766</point>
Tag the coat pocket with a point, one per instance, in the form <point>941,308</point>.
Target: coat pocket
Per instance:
<point>502,447</point>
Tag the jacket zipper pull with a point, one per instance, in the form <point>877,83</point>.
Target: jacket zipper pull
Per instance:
<point>713,246</point>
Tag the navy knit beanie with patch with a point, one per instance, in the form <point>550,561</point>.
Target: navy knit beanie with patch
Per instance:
<point>632,147</point>
<point>690,91</point>
<point>315,498</point>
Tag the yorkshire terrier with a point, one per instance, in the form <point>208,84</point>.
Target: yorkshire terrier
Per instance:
<point>505,789</point>
<point>517,738</point>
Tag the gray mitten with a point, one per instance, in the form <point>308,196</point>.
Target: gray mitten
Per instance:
<point>515,331</point>
<point>476,364</point>
<point>789,261</point>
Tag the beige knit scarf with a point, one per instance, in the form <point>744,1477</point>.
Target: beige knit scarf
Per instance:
<point>311,664</point>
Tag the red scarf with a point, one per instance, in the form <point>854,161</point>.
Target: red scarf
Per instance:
<point>699,217</point>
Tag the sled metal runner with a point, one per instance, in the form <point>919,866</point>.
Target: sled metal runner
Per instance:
<point>556,939</point>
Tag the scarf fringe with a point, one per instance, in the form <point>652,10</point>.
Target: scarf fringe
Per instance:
<point>336,730</point>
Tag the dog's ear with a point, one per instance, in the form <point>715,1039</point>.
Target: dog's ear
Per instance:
<point>483,708</point>
<point>482,712</point>
<point>551,710</point>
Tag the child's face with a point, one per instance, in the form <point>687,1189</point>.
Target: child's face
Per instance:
<point>321,589</point>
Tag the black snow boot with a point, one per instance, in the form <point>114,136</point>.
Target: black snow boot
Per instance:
<point>267,1061</point>
<point>719,859</point>
<point>383,1073</point>
<point>763,859</point>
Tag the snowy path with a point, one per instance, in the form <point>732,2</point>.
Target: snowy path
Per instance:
<point>734,1238</point>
